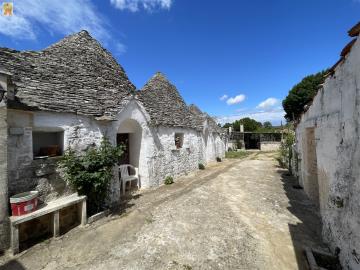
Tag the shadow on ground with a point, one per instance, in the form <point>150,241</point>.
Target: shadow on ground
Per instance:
<point>13,265</point>
<point>306,233</point>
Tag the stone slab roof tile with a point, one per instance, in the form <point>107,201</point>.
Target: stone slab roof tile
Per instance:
<point>74,75</point>
<point>199,116</point>
<point>165,105</point>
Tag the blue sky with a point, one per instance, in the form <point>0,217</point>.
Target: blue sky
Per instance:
<point>233,58</point>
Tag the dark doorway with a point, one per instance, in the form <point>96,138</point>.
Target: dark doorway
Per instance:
<point>123,138</point>
<point>252,140</point>
<point>311,183</point>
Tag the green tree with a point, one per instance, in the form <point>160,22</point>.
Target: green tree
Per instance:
<point>249,124</point>
<point>267,125</point>
<point>301,94</point>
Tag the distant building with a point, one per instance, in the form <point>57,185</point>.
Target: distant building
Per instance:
<point>264,141</point>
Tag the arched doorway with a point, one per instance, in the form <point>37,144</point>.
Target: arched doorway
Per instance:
<point>130,134</point>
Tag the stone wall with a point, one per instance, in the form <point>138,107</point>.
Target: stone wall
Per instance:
<point>40,228</point>
<point>167,160</point>
<point>214,146</point>
<point>328,143</point>
<point>270,146</point>
<point>4,221</point>
<point>25,172</point>
<point>157,155</point>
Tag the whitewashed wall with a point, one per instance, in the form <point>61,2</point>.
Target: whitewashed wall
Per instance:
<point>159,157</point>
<point>335,115</point>
<point>141,136</point>
<point>166,160</point>
<point>152,149</point>
<point>25,173</point>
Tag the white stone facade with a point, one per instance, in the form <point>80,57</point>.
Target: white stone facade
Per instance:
<point>152,149</point>
<point>328,144</point>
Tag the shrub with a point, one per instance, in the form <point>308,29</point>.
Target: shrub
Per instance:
<point>91,172</point>
<point>201,166</point>
<point>285,151</point>
<point>169,180</point>
<point>218,159</point>
<point>230,149</point>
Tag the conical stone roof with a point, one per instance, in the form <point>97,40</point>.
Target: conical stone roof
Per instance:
<point>164,104</point>
<point>75,75</point>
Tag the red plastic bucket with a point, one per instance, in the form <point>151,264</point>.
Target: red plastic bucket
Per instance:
<point>24,203</point>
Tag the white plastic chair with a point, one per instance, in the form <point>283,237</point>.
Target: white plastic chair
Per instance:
<point>125,177</point>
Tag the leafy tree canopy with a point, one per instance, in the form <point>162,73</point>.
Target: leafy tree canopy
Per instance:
<point>301,94</point>
<point>267,125</point>
<point>249,124</point>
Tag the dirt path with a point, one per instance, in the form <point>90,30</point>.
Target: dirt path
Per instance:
<point>234,215</point>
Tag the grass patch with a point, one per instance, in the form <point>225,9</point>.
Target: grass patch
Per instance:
<point>235,154</point>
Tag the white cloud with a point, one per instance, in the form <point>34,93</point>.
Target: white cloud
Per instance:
<point>223,97</point>
<point>136,5</point>
<point>268,103</point>
<point>120,48</point>
<point>275,116</point>
<point>64,17</point>
<point>236,100</point>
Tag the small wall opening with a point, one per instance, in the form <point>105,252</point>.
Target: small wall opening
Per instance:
<point>179,140</point>
<point>47,144</point>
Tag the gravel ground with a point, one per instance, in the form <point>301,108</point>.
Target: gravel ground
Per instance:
<point>237,214</point>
